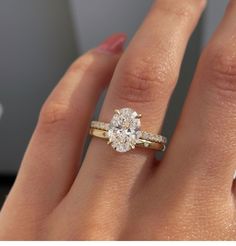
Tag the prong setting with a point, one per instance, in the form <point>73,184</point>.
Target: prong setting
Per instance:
<point>132,146</point>
<point>117,111</point>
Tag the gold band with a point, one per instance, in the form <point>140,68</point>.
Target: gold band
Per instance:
<point>143,142</point>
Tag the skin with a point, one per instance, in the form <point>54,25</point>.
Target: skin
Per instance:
<point>188,195</point>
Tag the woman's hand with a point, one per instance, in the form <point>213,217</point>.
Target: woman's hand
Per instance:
<point>188,195</point>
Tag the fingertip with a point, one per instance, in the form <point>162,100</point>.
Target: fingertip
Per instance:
<point>114,44</point>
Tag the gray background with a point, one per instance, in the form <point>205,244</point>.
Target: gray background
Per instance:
<point>40,38</point>
<point>36,45</point>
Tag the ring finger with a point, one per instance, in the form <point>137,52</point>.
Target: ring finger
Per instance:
<point>144,80</point>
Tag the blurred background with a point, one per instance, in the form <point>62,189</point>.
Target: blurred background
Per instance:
<point>38,41</point>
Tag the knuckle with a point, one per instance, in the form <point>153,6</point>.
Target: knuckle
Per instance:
<point>143,81</point>
<point>222,69</point>
<point>55,113</point>
<point>182,11</point>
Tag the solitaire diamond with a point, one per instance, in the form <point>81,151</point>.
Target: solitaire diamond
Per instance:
<point>124,129</point>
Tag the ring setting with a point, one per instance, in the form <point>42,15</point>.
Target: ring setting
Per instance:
<point>124,132</point>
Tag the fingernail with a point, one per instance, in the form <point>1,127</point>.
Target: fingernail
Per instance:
<point>113,44</point>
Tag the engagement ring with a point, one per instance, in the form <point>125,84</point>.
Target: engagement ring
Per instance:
<point>124,132</point>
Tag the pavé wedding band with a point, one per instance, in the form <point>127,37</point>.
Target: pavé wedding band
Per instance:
<point>124,132</point>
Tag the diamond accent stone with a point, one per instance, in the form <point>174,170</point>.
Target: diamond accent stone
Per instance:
<point>100,125</point>
<point>153,137</point>
<point>124,130</point>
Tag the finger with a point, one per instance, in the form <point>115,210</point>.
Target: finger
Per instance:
<point>147,73</point>
<point>205,141</point>
<point>144,81</point>
<point>51,161</point>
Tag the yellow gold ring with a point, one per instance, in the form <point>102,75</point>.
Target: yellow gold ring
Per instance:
<point>123,133</point>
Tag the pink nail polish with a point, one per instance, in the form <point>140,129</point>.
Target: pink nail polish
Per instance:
<point>113,44</point>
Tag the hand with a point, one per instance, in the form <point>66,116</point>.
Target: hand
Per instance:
<point>188,195</point>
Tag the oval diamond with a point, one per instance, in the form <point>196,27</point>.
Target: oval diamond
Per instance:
<point>124,130</point>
